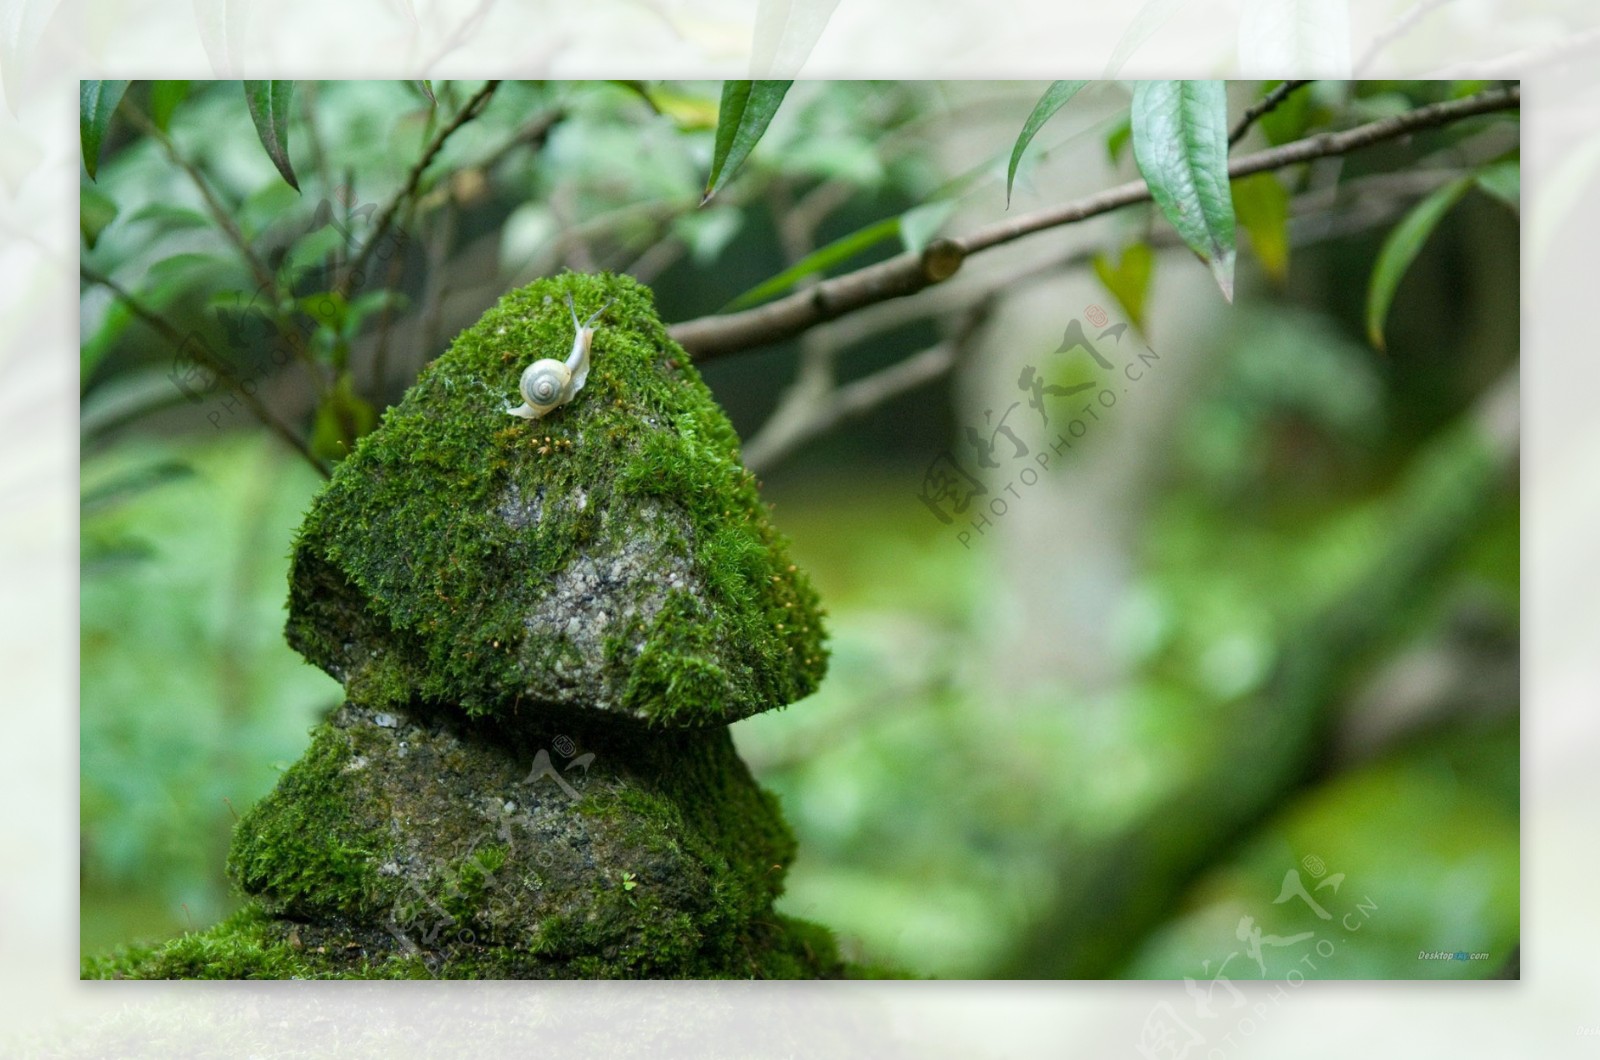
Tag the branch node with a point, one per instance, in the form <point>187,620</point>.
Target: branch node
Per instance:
<point>941,259</point>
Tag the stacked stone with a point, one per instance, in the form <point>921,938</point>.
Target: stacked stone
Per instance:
<point>543,629</point>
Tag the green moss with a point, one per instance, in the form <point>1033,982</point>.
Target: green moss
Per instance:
<point>431,831</point>
<point>309,848</point>
<point>253,945</point>
<point>614,555</point>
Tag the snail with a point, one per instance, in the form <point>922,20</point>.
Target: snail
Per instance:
<point>547,384</point>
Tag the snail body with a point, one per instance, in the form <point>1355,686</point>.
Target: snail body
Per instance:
<point>549,383</point>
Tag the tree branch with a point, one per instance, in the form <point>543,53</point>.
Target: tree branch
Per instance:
<point>1261,109</point>
<point>908,273</point>
<point>820,412</point>
<point>808,412</point>
<point>163,327</point>
<point>386,219</point>
<point>265,279</point>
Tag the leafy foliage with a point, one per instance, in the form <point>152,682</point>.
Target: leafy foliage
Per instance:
<point>1180,141</point>
<point>97,102</point>
<point>1055,97</point>
<point>919,815</point>
<point>1401,248</point>
<point>747,109</point>
<point>269,103</point>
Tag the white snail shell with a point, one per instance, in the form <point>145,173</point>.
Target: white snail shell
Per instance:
<point>547,384</point>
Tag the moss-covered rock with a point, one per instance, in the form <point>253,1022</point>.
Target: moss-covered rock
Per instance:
<point>411,846</point>
<point>613,556</point>
<point>252,944</point>
<point>543,630</point>
<point>638,849</point>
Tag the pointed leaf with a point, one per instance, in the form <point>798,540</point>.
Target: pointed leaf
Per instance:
<point>1117,140</point>
<point>1502,180</point>
<point>341,421</point>
<point>1128,280</point>
<point>746,111</point>
<point>97,101</point>
<point>1055,97</point>
<point>269,103</point>
<point>164,99</point>
<point>1180,142</point>
<point>920,224</point>
<point>1400,250</point>
<point>1291,119</point>
<point>95,211</point>
<point>785,33</point>
<point>1261,203</point>
<point>820,260</point>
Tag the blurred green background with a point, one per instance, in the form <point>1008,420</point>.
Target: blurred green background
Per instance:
<point>1241,667</point>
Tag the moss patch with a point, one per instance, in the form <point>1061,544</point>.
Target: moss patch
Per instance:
<point>254,945</point>
<point>603,845</point>
<point>612,556</point>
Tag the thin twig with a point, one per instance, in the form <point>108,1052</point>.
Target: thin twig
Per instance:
<point>1315,217</point>
<point>319,153</point>
<point>380,356</point>
<point>385,221</point>
<point>855,399</point>
<point>265,279</point>
<point>533,134</point>
<point>219,213</point>
<point>908,273</point>
<point>165,328</point>
<point>1262,108</point>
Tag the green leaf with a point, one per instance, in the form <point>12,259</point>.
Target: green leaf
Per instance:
<point>920,224</point>
<point>785,33</point>
<point>1150,18</point>
<point>129,484</point>
<point>370,303</point>
<point>342,419</point>
<point>164,99</point>
<point>1128,280</point>
<point>1117,140</point>
<point>1055,97</point>
<point>269,103</point>
<point>95,211</point>
<point>97,101</point>
<point>708,232</point>
<point>1502,180</point>
<point>820,260</point>
<point>1400,250</point>
<point>1180,142</point>
<point>915,229</point>
<point>1261,203</point>
<point>746,111</point>
<point>1290,119</point>
<point>169,216</point>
